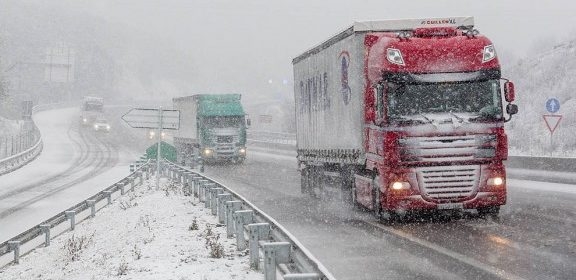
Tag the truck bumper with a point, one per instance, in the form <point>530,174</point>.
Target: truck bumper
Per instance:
<point>417,202</point>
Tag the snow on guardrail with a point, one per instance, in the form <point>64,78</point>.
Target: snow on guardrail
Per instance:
<point>272,249</point>
<point>16,151</point>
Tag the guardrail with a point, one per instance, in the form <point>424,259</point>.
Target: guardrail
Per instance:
<point>54,226</point>
<point>271,137</point>
<point>271,247</point>
<point>18,150</point>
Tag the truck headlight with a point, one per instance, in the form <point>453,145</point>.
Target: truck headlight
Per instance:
<point>495,181</point>
<point>394,56</point>
<point>400,186</point>
<point>488,53</point>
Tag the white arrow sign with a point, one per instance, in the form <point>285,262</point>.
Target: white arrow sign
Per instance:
<point>148,118</point>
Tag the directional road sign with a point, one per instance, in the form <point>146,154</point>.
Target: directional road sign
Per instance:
<point>552,105</point>
<point>148,118</point>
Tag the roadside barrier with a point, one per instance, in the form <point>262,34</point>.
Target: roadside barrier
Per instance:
<point>32,238</point>
<point>16,151</point>
<point>271,247</point>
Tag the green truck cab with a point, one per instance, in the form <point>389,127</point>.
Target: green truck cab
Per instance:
<point>212,127</point>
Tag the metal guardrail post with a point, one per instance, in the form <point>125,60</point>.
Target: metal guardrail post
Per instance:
<point>257,232</point>
<point>241,218</point>
<point>121,187</point>
<point>46,230</point>
<point>132,185</point>
<point>14,246</point>
<point>196,180</point>
<point>92,204</point>
<point>301,276</point>
<point>214,195</point>
<point>208,194</point>
<point>71,215</point>
<point>231,207</point>
<point>202,190</point>
<point>141,177</point>
<point>108,196</point>
<point>186,186</point>
<point>275,253</point>
<point>222,198</point>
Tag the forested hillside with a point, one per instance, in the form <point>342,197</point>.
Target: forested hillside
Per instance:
<point>537,78</point>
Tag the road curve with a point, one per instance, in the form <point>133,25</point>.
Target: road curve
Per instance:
<point>75,163</point>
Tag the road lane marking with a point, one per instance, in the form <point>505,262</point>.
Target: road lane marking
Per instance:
<point>455,255</point>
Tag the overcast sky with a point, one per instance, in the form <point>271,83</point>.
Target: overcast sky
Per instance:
<point>248,43</point>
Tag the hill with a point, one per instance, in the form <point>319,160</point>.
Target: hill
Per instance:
<point>552,73</point>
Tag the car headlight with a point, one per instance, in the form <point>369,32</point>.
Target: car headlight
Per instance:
<point>108,127</point>
<point>242,151</point>
<point>95,126</point>
<point>207,152</point>
<point>84,120</point>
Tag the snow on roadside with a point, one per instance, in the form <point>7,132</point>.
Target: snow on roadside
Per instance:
<point>148,234</point>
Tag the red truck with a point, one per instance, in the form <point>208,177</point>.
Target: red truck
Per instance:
<point>404,116</point>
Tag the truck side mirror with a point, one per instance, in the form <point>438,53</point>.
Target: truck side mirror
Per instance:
<point>511,109</point>
<point>509,94</point>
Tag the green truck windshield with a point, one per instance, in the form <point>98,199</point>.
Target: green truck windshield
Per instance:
<point>479,99</point>
<point>222,122</point>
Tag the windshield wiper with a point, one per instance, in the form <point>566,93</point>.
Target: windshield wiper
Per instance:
<point>427,119</point>
<point>460,119</point>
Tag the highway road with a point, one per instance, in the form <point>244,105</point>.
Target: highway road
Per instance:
<point>534,238</point>
<point>76,162</point>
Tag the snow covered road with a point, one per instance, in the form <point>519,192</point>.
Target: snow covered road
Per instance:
<point>75,163</point>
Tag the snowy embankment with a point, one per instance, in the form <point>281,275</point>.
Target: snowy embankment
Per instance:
<point>148,234</point>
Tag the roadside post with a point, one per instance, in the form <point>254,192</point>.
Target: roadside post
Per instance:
<point>158,119</point>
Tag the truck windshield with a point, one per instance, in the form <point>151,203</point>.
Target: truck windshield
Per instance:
<point>478,100</point>
<point>222,122</point>
<point>94,107</point>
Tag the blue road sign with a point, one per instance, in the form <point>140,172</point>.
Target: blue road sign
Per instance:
<point>552,105</point>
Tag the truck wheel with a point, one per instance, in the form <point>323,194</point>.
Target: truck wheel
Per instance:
<point>489,211</point>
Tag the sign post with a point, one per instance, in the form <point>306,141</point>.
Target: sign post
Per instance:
<point>159,149</point>
<point>552,120</point>
<point>158,119</point>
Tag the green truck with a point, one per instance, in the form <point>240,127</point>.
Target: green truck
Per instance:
<point>212,128</point>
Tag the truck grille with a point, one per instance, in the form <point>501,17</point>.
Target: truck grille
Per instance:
<point>225,139</point>
<point>448,183</point>
<point>447,148</point>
